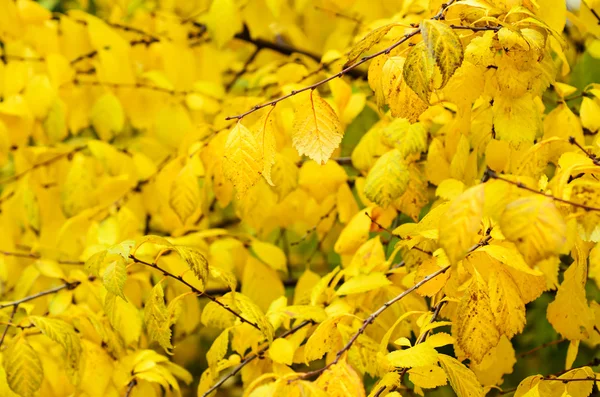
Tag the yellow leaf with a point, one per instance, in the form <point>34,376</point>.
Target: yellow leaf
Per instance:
<point>251,312</point>
<point>444,46</point>
<point>158,319</point>
<point>590,113</point>
<point>218,349</point>
<point>63,334</point>
<point>347,206</point>
<point>388,179</point>
<point>498,362</point>
<point>184,197</point>
<point>107,116</point>
<point>321,180</point>
<point>223,21</point>
<point>569,313</point>
<point>419,355</point>
<point>341,380</point>
<point>418,71</point>
<point>572,353</point>
<point>407,138</point>
<point>463,380</point>
<point>355,233</point>
<point>282,351</point>
<point>536,227</point>
<point>388,382</point>
<point>516,120</point>
<point>317,131</point>
<point>363,283</point>
<point>124,318</point>
<point>24,371</point>
<point>427,377</point>
<point>78,190</point>
<point>270,254</point>
<point>264,133</point>
<point>242,159</point>
<point>195,261</point>
<point>115,276</point>
<point>372,38</point>
<point>506,303</point>
<point>261,283</point>
<point>475,326</point>
<point>403,101</point>
<point>460,224</point>
<point>324,339</point>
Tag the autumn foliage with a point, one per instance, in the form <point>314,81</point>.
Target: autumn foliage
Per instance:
<point>299,198</point>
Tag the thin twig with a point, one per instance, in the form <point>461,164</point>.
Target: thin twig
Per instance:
<point>179,278</point>
<point>377,223</point>
<point>250,358</point>
<point>244,69</point>
<point>520,185</point>
<point>477,28</point>
<point>50,291</point>
<point>344,71</point>
<point>591,156</point>
<point>51,160</point>
<point>12,315</point>
<point>130,387</point>
<point>31,255</point>
<point>540,347</point>
<point>370,320</point>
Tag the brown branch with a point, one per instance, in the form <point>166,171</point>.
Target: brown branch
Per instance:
<point>591,156</point>
<point>21,174</point>
<point>50,291</point>
<point>312,229</point>
<point>250,358</point>
<point>12,315</point>
<point>540,347</point>
<point>377,223</point>
<point>31,255</point>
<point>370,320</point>
<point>344,71</point>
<point>477,28</point>
<point>244,69</point>
<point>132,383</point>
<point>222,291</point>
<point>521,185</point>
<point>199,293</point>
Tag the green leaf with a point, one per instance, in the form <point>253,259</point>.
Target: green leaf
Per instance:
<point>115,276</point>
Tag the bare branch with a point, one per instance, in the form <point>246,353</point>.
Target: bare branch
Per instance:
<point>50,291</point>
<point>31,255</point>
<point>540,347</point>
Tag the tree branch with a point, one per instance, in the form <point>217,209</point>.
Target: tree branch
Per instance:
<point>50,291</point>
<point>492,174</point>
<point>12,315</point>
<point>370,320</point>
<point>51,160</point>
<point>540,347</point>
<point>250,358</point>
<point>31,255</point>
<point>194,289</point>
<point>591,156</point>
<point>344,71</point>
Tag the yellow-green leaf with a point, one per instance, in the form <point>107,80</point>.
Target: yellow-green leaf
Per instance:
<point>418,71</point>
<point>444,46</point>
<point>462,379</point>
<point>372,38</point>
<point>388,179</point>
<point>417,356</point>
<point>115,276</point>
<point>24,371</point>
